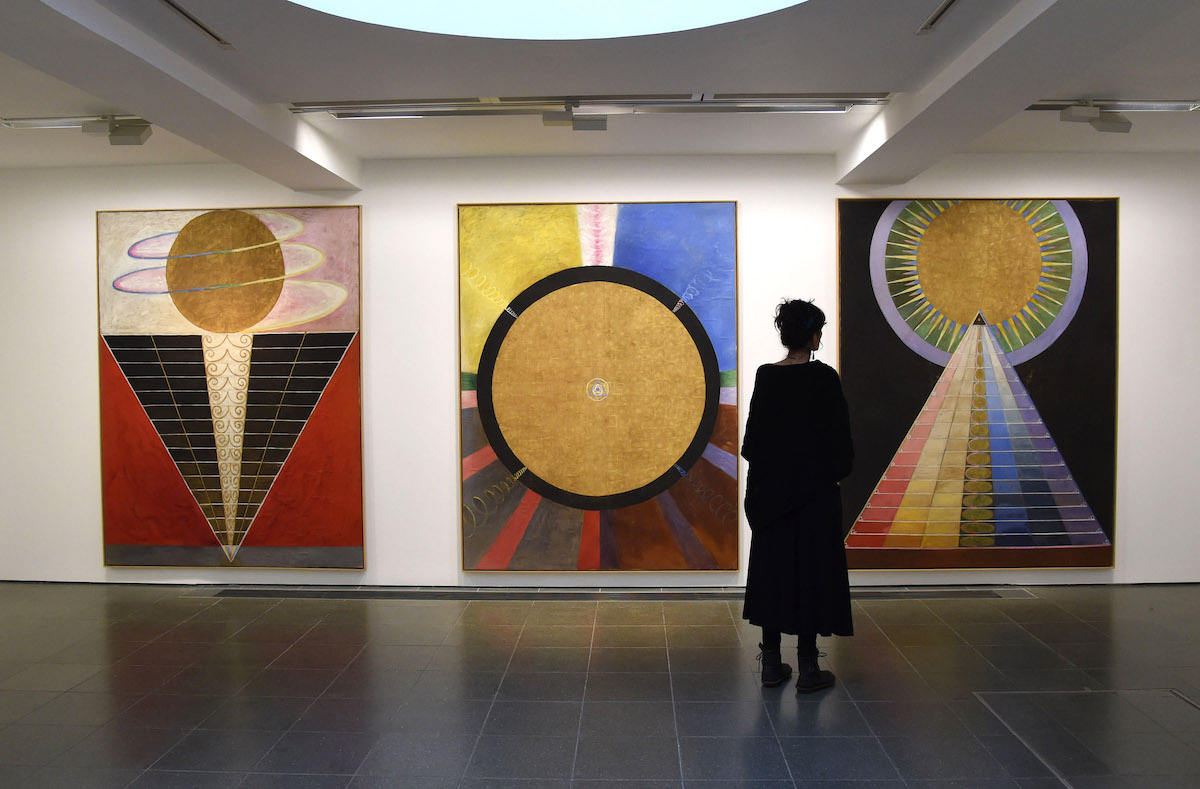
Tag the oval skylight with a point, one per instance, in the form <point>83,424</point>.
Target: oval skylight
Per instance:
<point>547,19</point>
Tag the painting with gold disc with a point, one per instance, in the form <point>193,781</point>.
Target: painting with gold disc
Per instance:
<point>978,354</point>
<point>230,416</point>
<point>598,358</point>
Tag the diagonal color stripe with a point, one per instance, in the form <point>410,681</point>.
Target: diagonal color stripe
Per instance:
<point>589,541</point>
<point>476,462</point>
<point>470,398</point>
<point>721,459</point>
<point>502,550</point>
<point>728,395</point>
<point>698,558</point>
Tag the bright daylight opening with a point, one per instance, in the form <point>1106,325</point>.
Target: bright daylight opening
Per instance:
<point>548,19</point>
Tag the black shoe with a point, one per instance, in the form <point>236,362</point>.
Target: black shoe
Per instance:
<point>811,677</point>
<point>774,670</point>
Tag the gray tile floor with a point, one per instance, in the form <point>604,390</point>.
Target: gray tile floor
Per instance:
<point>152,686</point>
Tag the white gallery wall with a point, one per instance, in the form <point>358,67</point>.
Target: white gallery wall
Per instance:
<point>50,480</point>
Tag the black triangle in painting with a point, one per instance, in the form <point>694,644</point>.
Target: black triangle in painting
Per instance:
<point>166,372</point>
<point>980,320</point>
<point>288,374</point>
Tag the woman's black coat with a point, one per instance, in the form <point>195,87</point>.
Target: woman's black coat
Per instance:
<point>798,444</point>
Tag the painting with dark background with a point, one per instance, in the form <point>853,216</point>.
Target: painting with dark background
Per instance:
<point>978,356</point>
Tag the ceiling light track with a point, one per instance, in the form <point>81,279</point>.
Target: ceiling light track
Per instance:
<point>1118,105</point>
<point>120,129</point>
<point>929,24</point>
<point>195,22</point>
<point>563,108</point>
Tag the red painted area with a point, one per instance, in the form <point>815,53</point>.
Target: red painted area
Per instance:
<point>470,399</point>
<point>875,521</point>
<point>317,499</point>
<point>725,429</point>
<point>879,499</point>
<point>502,550</point>
<point>589,542</point>
<point>708,500</point>
<point>477,461</point>
<point>146,501</point>
<point>644,540</point>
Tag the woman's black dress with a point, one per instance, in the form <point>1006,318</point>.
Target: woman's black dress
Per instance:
<point>798,444</point>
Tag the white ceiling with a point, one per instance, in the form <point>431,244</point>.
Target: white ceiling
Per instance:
<point>961,87</point>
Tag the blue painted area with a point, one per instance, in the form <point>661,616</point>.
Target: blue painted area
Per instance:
<point>1008,486</point>
<point>1004,472</point>
<point>1014,540</point>
<point>690,248</point>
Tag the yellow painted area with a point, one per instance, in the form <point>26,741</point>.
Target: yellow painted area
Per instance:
<point>503,249</point>
<point>979,256</point>
<point>954,459</point>
<point>918,500</point>
<point>946,506</point>
<point>621,376</point>
<point>912,516</point>
<point>943,521</point>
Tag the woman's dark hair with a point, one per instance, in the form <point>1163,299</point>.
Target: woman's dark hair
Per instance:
<point>797,321</point>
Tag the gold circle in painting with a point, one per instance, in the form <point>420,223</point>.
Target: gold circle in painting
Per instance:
<point>979,256</point>
<point>553,352</point>
<point>225,271</point>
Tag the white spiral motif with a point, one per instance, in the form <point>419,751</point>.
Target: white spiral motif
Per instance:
<point>227,365</point>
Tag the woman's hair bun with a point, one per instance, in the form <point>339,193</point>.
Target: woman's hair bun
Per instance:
<point>797,322</point>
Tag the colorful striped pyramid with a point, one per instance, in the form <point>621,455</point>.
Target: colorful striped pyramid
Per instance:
<point>978,470</point>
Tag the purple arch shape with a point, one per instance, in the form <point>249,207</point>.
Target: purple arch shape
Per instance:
<point>1079,270</point>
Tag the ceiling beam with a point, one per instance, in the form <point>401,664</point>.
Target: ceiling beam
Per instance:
<point>1038,45</point>
<point>87,46</point>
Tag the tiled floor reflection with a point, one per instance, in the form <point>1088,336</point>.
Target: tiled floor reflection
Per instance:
<point>1108,738</point>
<point>154,686</point>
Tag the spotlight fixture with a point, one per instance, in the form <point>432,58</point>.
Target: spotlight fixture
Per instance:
<point>1079,113</point>
<point>567,117</point>
<point>1106,115</point>
<point>589,123</point>
<point>558,117</point>
<point>125,131</point>
<point>1100,120</point>
<point>120,129</point>
<point>1111,122</point>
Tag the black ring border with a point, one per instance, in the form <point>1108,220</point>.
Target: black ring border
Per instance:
<point>657,291</point>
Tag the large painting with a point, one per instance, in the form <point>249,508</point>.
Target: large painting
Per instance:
<point>598,352</point>
<point>229,387</point>
<point>978,353</point>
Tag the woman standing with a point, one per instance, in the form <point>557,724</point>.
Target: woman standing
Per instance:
<point>798,445</point>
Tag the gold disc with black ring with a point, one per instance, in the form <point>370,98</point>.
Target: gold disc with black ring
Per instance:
<point>598,387</point>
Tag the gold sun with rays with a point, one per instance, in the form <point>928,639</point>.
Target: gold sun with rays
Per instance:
<point>948,261</point>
